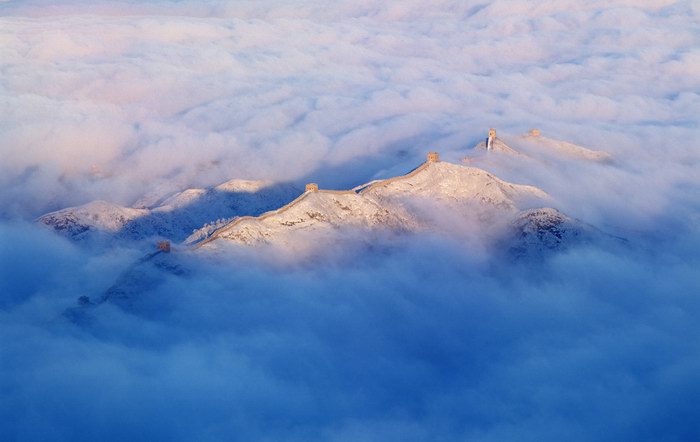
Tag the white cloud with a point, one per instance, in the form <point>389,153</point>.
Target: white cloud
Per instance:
<point>161,88</point>
<point>425,340</point>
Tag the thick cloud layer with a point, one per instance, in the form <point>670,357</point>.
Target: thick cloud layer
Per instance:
<point>419,344</point>
<point>106,100</point>
<point>427,339</point>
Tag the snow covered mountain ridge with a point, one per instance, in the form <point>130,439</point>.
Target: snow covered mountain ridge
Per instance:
<point>437,196</point>
<point>173,217</point>
<point>535,146</point>
<point>471,207</point>
<point>398,204</point>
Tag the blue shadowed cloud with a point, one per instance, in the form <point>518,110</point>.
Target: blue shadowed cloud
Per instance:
<point>383,340</point>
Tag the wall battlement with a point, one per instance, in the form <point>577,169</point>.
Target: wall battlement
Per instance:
<point>163,246</point>
<point>432,157</point>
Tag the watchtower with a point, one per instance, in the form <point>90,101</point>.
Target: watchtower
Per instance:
<point>312,187</point>
<point>535,132</point>
<point>163,246</point>
<point>433,157</point>
<point>489,140</point>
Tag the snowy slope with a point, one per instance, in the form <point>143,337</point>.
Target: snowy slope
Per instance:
<point>539,230</point>
<point>321,213</point>
<point>537,233</point>
<point>386,204</point>
<point>500,147</point>
<point>96,217</point>
<point>541,148</point>
<point>436,196</point>
<point>456,184</point>
<point>534,144</point>
<point>175,217</point>
<point>332,221</point>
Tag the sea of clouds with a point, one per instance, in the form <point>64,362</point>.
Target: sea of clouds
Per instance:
<point>417,340</point>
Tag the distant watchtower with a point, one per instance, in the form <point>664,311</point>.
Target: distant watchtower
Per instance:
<point>312,187</point>
<point>535,132</point>
<point>489,140</point>
<point>163,246</point>
<point>433,157</point>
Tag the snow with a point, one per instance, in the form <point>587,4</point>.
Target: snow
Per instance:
<point>454,183</point>
<point>319,212</point>
<point>253,213</point>
<point>79,222</point>
<point>539,147</point>
<point>538,232</point>
<point>176,216</point>
<point>562,148</point>
<point>381,205</point>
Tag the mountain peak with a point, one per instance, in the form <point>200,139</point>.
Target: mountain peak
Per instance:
<point>175,217</point>
<point>534,145</point>
<point>458,183</point>
<point>384,204</point>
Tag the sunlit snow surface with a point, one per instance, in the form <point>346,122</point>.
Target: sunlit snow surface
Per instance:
<point>399,332</point>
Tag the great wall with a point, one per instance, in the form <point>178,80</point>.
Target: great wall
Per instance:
<point>432,157</point>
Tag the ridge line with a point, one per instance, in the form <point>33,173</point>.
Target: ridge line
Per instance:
<point>216,233</point>
<point>410,174</point>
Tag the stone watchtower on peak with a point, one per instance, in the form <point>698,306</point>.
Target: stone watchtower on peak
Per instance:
<point>490,139</point>
<point>433,157</point>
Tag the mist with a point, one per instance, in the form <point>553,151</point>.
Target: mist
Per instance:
<point>388,336</point>
<point>108,105</point>
<point>420,342</point>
